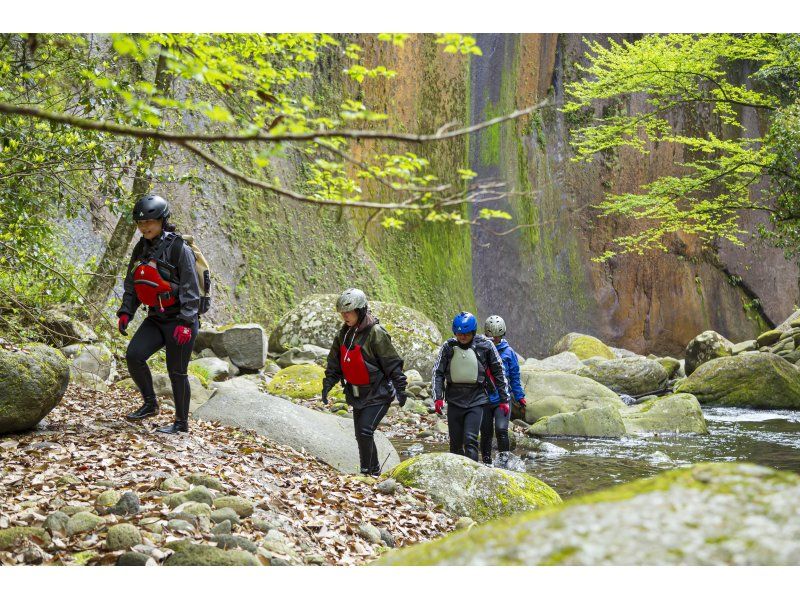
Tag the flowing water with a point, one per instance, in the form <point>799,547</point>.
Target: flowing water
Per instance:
<point>574,466</point>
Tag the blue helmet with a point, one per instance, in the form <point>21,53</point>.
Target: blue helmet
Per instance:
<point>464,323</point>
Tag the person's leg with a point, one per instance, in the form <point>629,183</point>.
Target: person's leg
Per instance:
<point>472,426</point>
<point>146,341</point>
<point>368,421</point>
<point>486,432</point>
<point>363,451</point>
<point>501,430</point>
<point>455,428</point>
<point>178,357</point>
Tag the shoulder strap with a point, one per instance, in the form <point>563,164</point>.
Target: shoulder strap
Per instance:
<point>175,250</point>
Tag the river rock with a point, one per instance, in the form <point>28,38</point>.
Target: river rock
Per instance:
<point>202,479</point>
<point>94,359</point>
<point>671,365</point>
<point>675,413</point>
<point>597,422</point>
<point>314,321</point>
<point>9,537</point>
<point>128,504</point>
<point>623,353</point>
<point>241,506</point>
<point>298,381</point>
<point>584,346</point>
<point>323,435</point>
<point>32,382</point>
<point>548,393</point>
<point>760,380</point>
<point>122,537</point>
<point>134,559</point>
<point>59,329</point>
<point>770,337</point>
<point>744,346</point>
<point>225,514</point>
<point>213,368</point>
<point>83,522</point>
<point>793,321</point>
<point>709,514</point>
<point>245,344</point>
<point>563,362</point>
<point>705,347</point>
<point>234,541</point>
<point>56,523</point>
<point>630,375</point>
<point>466,488</point>
<point>186,553</point>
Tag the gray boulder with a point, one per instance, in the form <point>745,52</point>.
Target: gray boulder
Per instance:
<point>94,359</point>
<point>325,436</point>
<point>565,361</point>
<point>548,393</point>
<point>671,414</point>
<point>596,422</point>
<point>245,344</point>
<point>705,347</point>
<point>33,380</point>
<point>629,375</point>
<point>214,368</point>
<point>304,354</point>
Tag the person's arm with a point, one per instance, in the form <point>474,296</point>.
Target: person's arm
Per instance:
<point>496,367</point>
<point>439,370</point>
<point>333,370</point>
<point>188,291</point>
<point>513,377</point>
<point>390,362</point>
<point>130,302</point>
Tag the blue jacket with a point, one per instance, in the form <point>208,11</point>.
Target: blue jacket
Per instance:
<point>511,367</point>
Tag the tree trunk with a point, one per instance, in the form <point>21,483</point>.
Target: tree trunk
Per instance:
<point>114,257</point>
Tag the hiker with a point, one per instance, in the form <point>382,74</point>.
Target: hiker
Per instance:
<point>363,358</point>
<point>495,417</point>
<point>161,275</point>
<point>467,368</point>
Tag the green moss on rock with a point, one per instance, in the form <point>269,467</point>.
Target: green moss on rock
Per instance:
<point>302,381</point>
<point>9,537</point>
<point>584,346</point>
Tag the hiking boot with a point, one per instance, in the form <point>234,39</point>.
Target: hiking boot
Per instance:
<point>174,428</point>
<point>149,409</point>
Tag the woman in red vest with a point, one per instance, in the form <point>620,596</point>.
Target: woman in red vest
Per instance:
<point>364,360</point>
<point>161,275</point>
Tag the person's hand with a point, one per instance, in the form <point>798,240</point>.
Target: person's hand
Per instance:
<point>402,398</point>
<point>504,408</point>
<point>522,402</point>
<point>438,406</point>
<point>122,323</point>
<point>182,334</point>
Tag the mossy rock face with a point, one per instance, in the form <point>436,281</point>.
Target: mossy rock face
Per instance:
<point>314,321</point>
<point>770,337</point>
<point>671,365</point>
<point>760,380</point>
<point>9,537</point>
<point>676,413</point>
<point>189,554</point>
<point>298,381</point>
<point>469,489</point>
<point>703,515</point>
<point>595,422</point>
<point>584,346</point>
<point>630,375</point>
<point>33,381</point>
<point>548,393</point>
<point>705,347</point>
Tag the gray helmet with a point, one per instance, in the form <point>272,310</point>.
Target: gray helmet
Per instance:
<point>495,326</point>
<point>351,300</point>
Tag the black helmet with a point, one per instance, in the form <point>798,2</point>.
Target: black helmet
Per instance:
<point>151,207</point>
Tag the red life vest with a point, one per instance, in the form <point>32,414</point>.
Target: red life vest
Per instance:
<point>151,288</point>
<point>353,366</point>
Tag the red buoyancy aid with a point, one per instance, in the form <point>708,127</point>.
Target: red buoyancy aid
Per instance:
<point>151,288</point>
<point>353,366</point>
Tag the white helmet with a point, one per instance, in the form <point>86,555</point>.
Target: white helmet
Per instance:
<point>495,326</point>
<point>351,300</point>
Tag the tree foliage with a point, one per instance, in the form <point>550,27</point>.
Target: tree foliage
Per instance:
<point>715,77</point>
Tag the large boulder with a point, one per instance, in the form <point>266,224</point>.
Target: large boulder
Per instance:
<point>304,354</point>
<point>245,344</point>
<point>328,437</point>
<point>298,381</point>
<point>747,380</point>
<point>213,369</point>
<point>548,393</point>
<point>629,375</point>
<point>314,321</point>
<point>705,347</point>
<point>563,362</point>
<point>33,379</point>
<point>793,321</point>
<point>594,422</point>
<point>584,346</point>
<point>465,488</point>
<point>92,359</point>
<point>676,413</point>
<point>60,330</point>
<point>709,514</point>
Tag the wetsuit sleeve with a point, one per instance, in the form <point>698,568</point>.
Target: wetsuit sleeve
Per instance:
<point>188,291</point>
<point>512,369</point>
<point>130,302</point>
<point>500,378</point>
<point>390,362</point>
<point>333,369</point>
<point>439,371</point>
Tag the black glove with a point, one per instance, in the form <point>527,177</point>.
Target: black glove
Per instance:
<point>402,398</point>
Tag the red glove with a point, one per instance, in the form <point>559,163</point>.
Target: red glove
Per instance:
<point>438,405</point>
<point>504,408</point>
<point>182,335</point>
<point>522,401</point>
<point>122,323</point>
